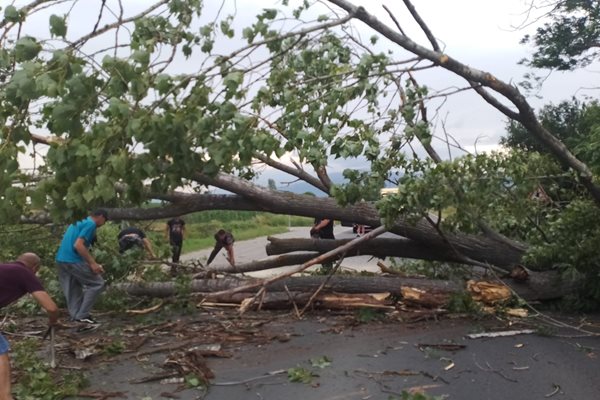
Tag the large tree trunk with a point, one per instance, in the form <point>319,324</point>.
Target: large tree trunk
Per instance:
<point>382,247</point>
<point>541,286</point>
<point>344,284</point>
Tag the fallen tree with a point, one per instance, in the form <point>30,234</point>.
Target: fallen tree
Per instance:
<point>219,124</point>
<point>541,287</point>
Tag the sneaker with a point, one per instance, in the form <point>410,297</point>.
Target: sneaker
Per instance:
<point>87,328</point>
<point>88,320</point>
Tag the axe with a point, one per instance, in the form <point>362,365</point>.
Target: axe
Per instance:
<point>50,332</point>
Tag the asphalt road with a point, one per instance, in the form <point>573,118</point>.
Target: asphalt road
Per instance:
<point>374,361</point>
<point>379,361</point>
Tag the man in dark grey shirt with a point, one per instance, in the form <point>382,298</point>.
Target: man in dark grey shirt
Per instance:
<point>132,237</point>
<point>223,239</point>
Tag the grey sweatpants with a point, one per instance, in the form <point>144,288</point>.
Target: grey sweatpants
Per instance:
<point>81,287</point>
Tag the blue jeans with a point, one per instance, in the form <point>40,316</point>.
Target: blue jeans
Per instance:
<point>4,347</point>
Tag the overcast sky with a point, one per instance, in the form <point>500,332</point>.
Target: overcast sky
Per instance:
<point>479,33</point>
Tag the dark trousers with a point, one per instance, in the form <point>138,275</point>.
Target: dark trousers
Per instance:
<point>176,246</point>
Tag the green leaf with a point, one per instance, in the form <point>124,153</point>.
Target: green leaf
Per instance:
<point>226,29</point>
<point>38,198</point>
<point>141,56</point>
<point>207,46</point>
<point>89,195</point>
<point>163,83</point>
<point>270,13</point>
<point>299,374</point>
<point>21,87</point>
<point>248,33</point>
<point>11,14</point>
<point>26,48</point>
<point>58,26</point>
<point>4,58</point>
<point>321,362</point>
<point>233,80</point>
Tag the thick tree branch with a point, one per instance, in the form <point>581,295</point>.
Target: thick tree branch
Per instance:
<point>349,284</point>
<point>254,198</point>
<point>526,112</point>
<point>491,100</point>
<point>413,11</point>
<point>324,177</point>
<point>297,172</point>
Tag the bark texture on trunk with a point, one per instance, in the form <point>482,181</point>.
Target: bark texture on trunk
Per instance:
<point>540,286</point>
<point>379,247</point>
<point>259,265</point>
<point>342,284</point>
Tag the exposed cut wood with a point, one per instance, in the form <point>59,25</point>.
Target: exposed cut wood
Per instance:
<point>488,292</point>
<point>427,298</point>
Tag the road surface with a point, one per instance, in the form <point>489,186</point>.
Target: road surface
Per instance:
<point>254,249</point>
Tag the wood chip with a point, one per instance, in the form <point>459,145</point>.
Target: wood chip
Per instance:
<point>145,310</point>
<point>500,334</point>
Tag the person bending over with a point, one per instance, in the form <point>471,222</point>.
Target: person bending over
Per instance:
<point>223,239</point>
<point>79,274</point>
<point>134,237</point>
<point>17,279</point>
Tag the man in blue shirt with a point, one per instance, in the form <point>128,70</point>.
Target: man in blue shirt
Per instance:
<point>79,274</point>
